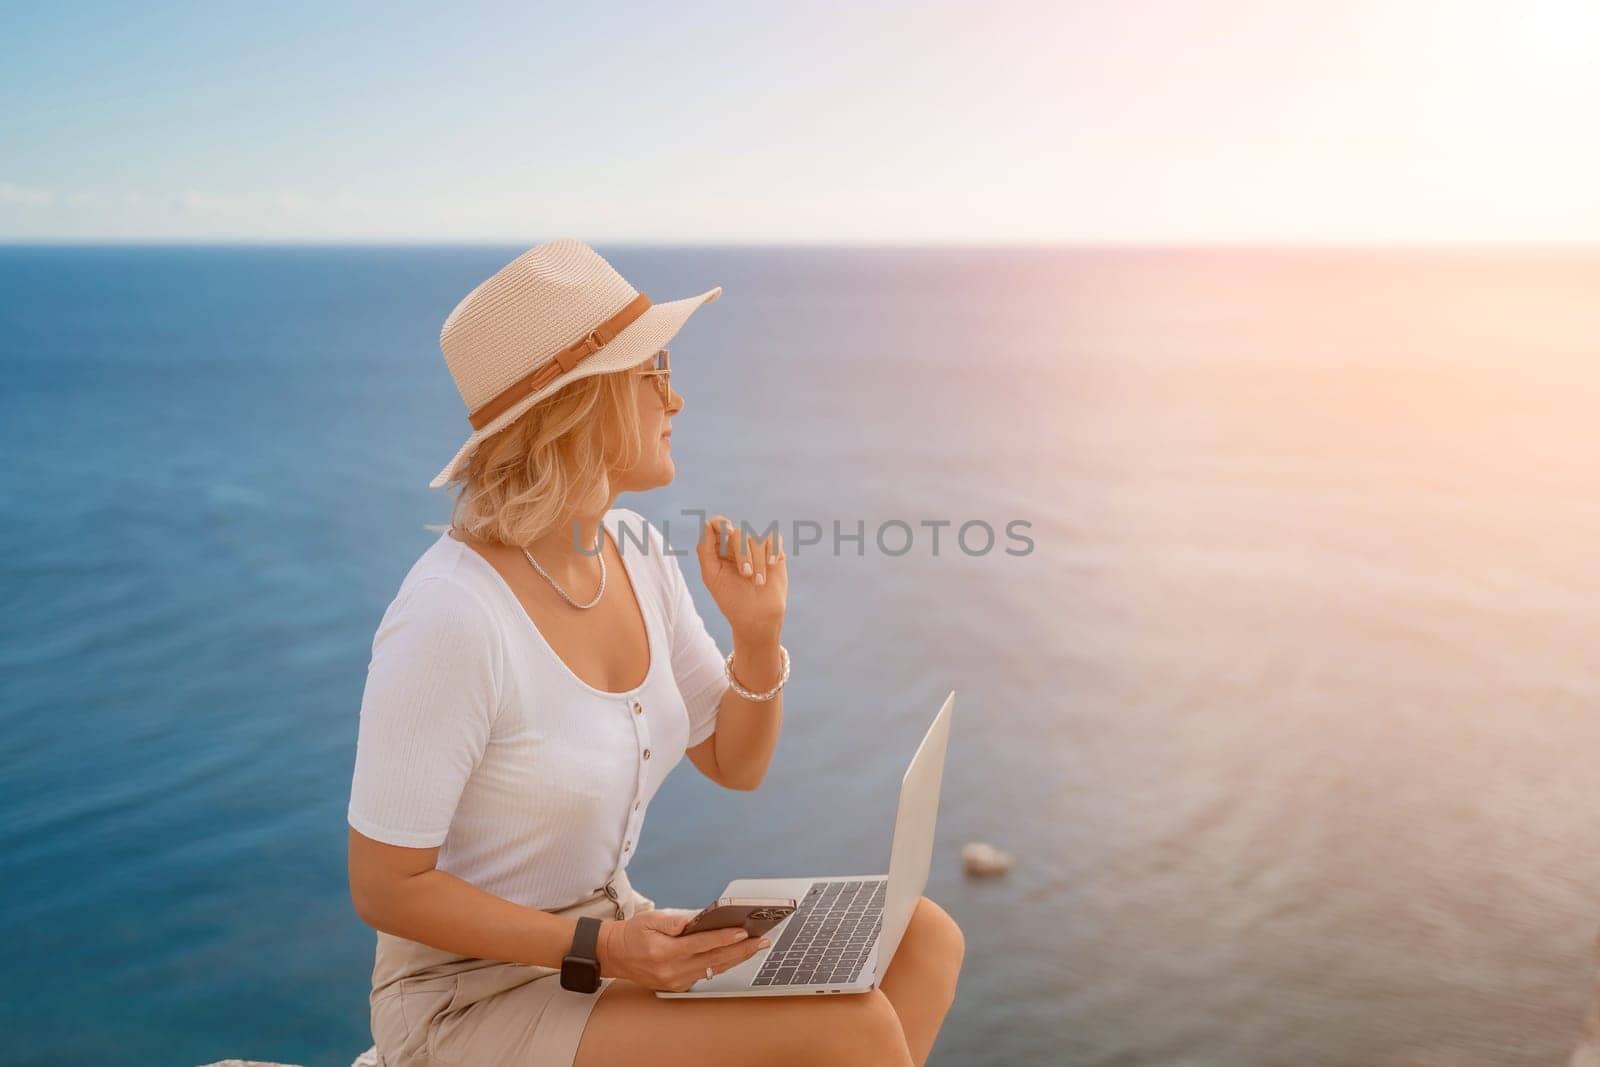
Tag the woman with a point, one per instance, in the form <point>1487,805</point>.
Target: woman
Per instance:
<point>532,683</point>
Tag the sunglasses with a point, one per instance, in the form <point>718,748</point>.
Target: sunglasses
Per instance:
<point>661,370</point>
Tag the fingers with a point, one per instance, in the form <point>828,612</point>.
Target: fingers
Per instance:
<point>724,543</point>
<point>707,941</point>
<point>758,551</point>
<point>730,543</point>
<point>723,537</point>
<point>717,959</point>
<point>739,542</point>
<point>706,547</point>
<point>663,959</point>
<point>721,959</point>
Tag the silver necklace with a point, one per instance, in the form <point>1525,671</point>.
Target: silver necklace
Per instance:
<point>598,594</point>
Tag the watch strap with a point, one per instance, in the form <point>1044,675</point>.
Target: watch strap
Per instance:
<point>586,937</point>
<point>580,968</point>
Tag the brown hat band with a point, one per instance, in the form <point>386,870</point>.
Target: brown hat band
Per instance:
<point>559,363</point>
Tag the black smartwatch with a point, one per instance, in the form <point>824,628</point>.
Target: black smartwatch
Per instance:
<point>580,967</point>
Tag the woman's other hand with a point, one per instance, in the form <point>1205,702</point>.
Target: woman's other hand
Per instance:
<point>748,578</point>
<point>646,949</point>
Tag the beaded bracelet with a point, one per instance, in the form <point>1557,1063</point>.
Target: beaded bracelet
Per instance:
<point>733,682</point>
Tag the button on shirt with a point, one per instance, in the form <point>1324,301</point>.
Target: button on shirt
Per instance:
<point>476,737</point>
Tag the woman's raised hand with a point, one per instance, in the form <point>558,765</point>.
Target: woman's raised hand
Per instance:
<point>748,578</point>
<point>646,949</point>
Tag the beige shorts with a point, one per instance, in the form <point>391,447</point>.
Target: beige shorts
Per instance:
<point>433,1007</point>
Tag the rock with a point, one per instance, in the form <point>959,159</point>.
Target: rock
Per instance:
<point>982,860</point>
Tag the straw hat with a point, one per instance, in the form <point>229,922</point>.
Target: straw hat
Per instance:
<point>556,313</point>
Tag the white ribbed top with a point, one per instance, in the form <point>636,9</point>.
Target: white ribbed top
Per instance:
<point>475,736</point>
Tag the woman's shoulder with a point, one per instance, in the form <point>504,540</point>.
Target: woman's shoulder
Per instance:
<point>443,594</point>
<point>444,582</point>
<point>437,624</point>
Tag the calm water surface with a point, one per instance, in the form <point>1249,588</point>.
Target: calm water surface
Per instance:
<point>1290,715</point>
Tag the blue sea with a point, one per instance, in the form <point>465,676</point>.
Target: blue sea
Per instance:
<point>1289,716</point>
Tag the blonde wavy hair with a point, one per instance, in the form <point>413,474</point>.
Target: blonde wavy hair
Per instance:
<point>553,463</point>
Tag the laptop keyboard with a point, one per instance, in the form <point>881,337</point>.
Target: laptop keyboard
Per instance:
<point>829,935</point>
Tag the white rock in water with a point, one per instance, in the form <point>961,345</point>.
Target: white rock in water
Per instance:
<point>982,859</point>
<point>247,1063</point>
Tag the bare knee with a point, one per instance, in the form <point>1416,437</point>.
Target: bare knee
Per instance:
<point>935,935</point>
<point>853,1029</point>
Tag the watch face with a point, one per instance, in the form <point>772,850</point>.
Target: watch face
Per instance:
<point>580,975</point>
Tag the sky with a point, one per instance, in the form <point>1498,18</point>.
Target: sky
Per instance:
<point>1245,121</point>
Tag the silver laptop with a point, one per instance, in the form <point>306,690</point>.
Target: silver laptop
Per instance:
<point>843,934</point>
